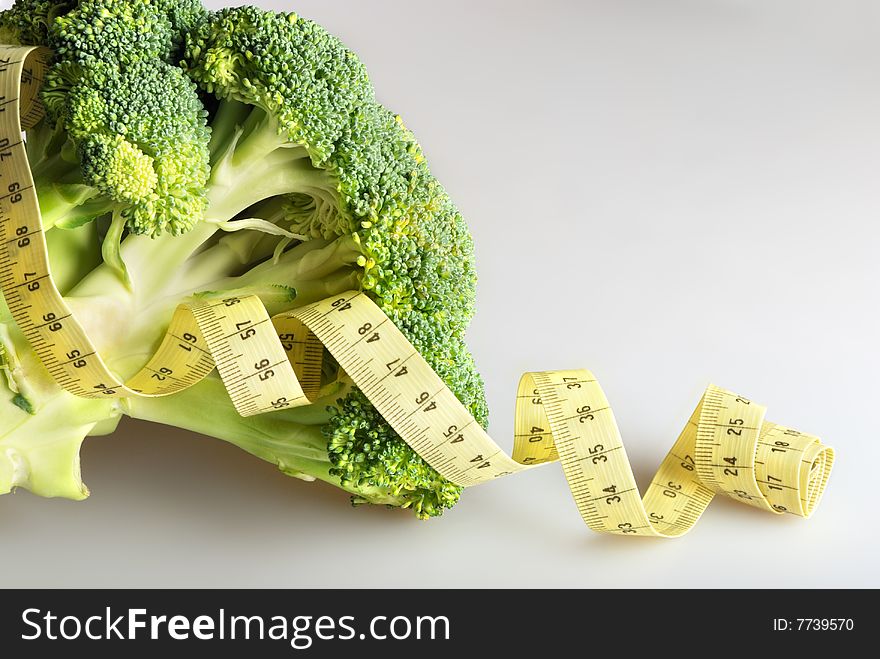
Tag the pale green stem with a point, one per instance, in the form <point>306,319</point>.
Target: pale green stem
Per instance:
<point>292,439</point>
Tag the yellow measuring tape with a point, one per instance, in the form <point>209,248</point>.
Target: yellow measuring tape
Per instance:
<point>271,363</point>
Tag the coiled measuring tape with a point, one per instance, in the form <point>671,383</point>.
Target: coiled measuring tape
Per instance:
<point>268,364</point>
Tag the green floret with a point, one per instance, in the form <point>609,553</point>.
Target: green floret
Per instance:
<point>134,125</point>
<point>27,22</point>
<point>140,136</point>
<point>150,108</point>
<point>125,131</point>
<point>286,89</point>
<point>118,168</point>
<point>184,16</point>
<point>116,31</point>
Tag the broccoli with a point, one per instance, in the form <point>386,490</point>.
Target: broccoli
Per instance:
<point>126,131</point>
<point>191,153</point>
<point>28,21</point>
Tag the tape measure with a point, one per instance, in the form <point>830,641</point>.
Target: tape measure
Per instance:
<point>269,363</point>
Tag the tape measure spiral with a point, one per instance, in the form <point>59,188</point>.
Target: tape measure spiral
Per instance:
<point>272,363</point>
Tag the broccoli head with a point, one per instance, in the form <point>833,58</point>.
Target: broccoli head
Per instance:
<point>183,123</point>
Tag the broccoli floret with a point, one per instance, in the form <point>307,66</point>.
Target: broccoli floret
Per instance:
<point>115,31</point>
<point>287,91</point>
<point>140,140</point>
<point>135,122</point>
<point>142,137</point>
<point>184,16</point>
<point>295,144</point>
<point>124,30</point>
<point>27,22</point>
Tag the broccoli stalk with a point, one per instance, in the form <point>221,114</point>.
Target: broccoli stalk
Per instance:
<point>294,440</point>
<point>126,328</point>
<point>42,426</point>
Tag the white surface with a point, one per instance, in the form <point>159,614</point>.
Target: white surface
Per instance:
<point>620,164</point>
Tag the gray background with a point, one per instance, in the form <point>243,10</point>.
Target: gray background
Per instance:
<point>622,164</point>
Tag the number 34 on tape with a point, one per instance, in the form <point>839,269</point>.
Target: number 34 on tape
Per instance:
<point>726,447</point>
